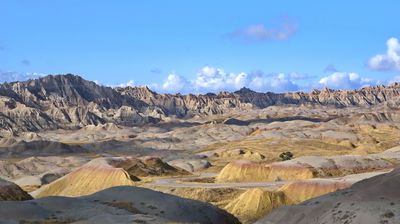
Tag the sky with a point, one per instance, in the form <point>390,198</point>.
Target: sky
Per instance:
<point>204,46</point>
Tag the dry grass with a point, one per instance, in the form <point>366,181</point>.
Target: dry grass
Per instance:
<point>376,140</point>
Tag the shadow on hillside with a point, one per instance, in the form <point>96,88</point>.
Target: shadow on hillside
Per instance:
<point>283,119</point>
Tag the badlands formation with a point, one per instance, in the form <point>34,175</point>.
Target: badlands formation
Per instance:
<point>374,200</point>
<point>12,192</point>
<point>114,205</point>
<point>126,155</point>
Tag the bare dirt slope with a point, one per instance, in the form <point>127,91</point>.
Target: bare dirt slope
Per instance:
<point>12,192</point>
<point>374,200</point>
<point>115,205</point>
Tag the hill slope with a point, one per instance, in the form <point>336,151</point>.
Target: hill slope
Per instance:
<point>115,205</point>
<point>380,204</point>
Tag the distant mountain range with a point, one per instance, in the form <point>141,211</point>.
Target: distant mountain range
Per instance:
<point>69,101</point>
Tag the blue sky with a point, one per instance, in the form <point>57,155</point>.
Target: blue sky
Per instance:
<point>201,46</point>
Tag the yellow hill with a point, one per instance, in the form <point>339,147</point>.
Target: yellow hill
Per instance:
<point>287,171</point>
<point>102,173</point>
<point>247,171</point>
<point>300,191</point>
<point>243,171</point>
<point>255,203</point>
<point>94,176</point>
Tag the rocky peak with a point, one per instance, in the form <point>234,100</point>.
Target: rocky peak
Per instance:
<point>139,92</point>
<point>396,84</point>
<point>69,90</point>
<point>244,91</point>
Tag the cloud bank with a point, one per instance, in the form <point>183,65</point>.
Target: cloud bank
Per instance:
<point>210,79</point>
<point>12,76</point>
<point>389,61</point>
<point>123,85</point>
<point>344,80</point>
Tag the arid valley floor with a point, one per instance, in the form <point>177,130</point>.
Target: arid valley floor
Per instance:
<point>73,151</point>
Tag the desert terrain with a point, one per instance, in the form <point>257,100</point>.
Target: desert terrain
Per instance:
<point>73,151</point>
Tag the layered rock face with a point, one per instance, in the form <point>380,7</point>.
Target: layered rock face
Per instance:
<point>373,200</point>
<point>246,98</point>
<point>307,167</point>
<point>115,205</point>
<point>68,101</point>
<point>65,101</point>
<point>12,192</point>
<point>185,105</point>
<point>244,171</point>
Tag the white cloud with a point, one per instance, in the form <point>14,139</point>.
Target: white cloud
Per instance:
<point>129,83</point>
<point>344,80</point>
<point>211,79</point>
<point>285,29</point>
<point>11,76</point>
<point>279,82</point>
<point>295,75</point>
<point>174,83</point>
<point>282,83</point>
<point>395,79</point>
<point>389,61</point>
<point>216,79</point>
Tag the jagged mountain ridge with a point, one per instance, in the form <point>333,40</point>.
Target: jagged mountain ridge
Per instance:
<point>69,101</point>
<point>210,103</point>
<point>245,97</point>
<point>64,101</point>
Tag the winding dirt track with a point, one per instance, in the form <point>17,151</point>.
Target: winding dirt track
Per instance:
<point>185,182</point>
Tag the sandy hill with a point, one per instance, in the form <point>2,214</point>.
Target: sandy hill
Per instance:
<point>374,200</point>
<point>115,205</point>
<point>102,173</point>
<point>255,203</point>
<point>301,190</point>
<point>244,171</point>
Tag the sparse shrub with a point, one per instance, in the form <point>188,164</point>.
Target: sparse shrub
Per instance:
<point>286,156</point>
